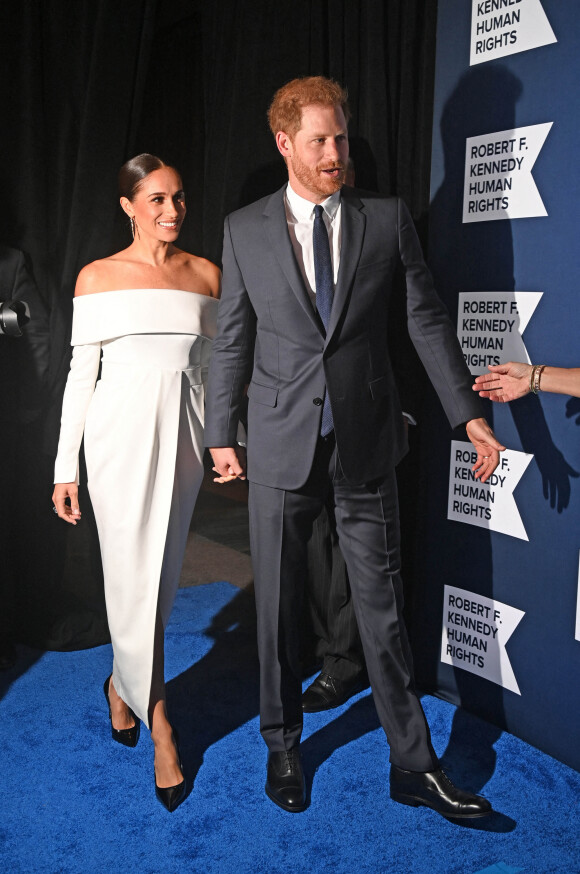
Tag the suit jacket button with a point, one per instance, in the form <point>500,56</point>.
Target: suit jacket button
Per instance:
<point>317,402</point>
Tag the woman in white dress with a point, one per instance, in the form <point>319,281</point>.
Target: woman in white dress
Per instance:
<point>149,312</point>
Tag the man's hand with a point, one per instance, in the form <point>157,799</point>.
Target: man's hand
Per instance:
<point>229,463</point>
<point>488,448</point>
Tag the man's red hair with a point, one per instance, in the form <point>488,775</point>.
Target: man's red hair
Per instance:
<point>285,112</point>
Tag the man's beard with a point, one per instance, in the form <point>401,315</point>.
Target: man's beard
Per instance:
<point>316,181</point>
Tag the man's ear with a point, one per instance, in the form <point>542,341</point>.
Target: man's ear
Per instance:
<point>284,144</point>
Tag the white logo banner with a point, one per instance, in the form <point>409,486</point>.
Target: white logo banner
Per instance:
<point>490,325</point>
<point>491,504</point>
<point>475,632</point>
<point>498,181</point>
<point>506,27</point>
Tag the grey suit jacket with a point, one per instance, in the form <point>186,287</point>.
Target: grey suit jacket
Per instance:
<point>270,337</point>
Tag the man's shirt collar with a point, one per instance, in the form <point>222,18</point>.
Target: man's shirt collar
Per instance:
<point>303,209</point>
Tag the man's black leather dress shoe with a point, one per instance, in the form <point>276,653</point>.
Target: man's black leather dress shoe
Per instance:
<point>434,789</point>
<point>327,692</point>
<point>285,780</point>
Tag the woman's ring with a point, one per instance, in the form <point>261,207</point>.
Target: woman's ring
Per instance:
<point>54,510</point>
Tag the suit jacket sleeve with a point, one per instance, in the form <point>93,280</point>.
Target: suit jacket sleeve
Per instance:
<point>232,353</point>
<point>409,373</point>
<point>432,331</point>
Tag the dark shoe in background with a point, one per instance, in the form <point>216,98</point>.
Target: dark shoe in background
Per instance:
<point>327,692</point>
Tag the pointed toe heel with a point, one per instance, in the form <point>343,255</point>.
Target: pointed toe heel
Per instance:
<point>172,796</point>
<point>126,736</point>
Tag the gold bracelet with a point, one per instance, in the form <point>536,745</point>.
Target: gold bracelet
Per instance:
<point>537,376</point>
<point>532,375</point>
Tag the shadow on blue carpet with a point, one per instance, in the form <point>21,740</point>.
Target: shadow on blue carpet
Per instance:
<point>73,802</point>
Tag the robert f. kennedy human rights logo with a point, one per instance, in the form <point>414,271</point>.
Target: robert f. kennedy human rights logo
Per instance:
<point>475,632</point>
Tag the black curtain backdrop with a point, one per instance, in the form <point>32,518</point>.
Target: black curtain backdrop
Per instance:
<point>88,84</point>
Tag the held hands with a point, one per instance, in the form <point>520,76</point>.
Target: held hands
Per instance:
<point>506,382</point>
<point>62,491</point>
<point>488,448</point>
<point>229,464</point>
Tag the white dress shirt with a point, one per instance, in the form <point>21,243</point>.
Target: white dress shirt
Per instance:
<point>300,218</point>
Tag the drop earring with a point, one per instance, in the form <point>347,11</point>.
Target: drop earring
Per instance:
<point>132,223</point>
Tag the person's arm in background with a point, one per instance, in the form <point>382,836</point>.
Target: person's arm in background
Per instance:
<point>32,348</point>
<point>508,382</point>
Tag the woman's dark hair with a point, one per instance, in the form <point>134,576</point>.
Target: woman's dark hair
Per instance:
<point>132,174</point>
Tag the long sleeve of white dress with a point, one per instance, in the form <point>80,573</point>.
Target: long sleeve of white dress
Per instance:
<point>79,390</point>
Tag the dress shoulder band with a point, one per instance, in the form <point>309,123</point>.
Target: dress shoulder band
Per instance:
<point>110,314</point>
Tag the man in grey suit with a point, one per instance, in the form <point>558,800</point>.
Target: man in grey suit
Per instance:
<point>303,318</point>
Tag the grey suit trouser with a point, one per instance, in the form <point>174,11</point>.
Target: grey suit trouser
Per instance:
<point>330,630</point>
<point>368,530</point>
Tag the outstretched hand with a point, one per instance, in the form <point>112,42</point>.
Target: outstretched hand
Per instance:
<point>488,448</point>
<point>505,382</point>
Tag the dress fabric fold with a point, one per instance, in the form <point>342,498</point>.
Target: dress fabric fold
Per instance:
<point>143,439</point>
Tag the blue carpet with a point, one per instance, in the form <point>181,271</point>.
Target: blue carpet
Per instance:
<point>73,802</point>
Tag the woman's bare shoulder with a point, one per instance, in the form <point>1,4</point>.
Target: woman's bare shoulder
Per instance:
<point>98,275</point>
<point>205,276</point>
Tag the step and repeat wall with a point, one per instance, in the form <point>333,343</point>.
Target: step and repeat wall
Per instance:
<point>496,620</point>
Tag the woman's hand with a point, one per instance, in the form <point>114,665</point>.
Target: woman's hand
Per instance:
<point>70,513</point>
<point>506,382</point>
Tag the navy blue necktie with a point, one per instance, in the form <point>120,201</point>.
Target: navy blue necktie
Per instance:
<point>324,292</point>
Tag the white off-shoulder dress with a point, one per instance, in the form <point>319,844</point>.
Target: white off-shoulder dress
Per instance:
<point>143,431</point>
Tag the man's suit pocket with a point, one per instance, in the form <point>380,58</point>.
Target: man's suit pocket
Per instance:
<point>381,265</point>
<point>379,388</point>
<point>263,394</point>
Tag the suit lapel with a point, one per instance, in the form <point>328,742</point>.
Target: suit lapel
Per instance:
<point>277,230</point>
<point>353,223</point>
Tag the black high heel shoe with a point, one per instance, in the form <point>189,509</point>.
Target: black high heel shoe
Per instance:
<point>126,736</point>
<point>172,796</point>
